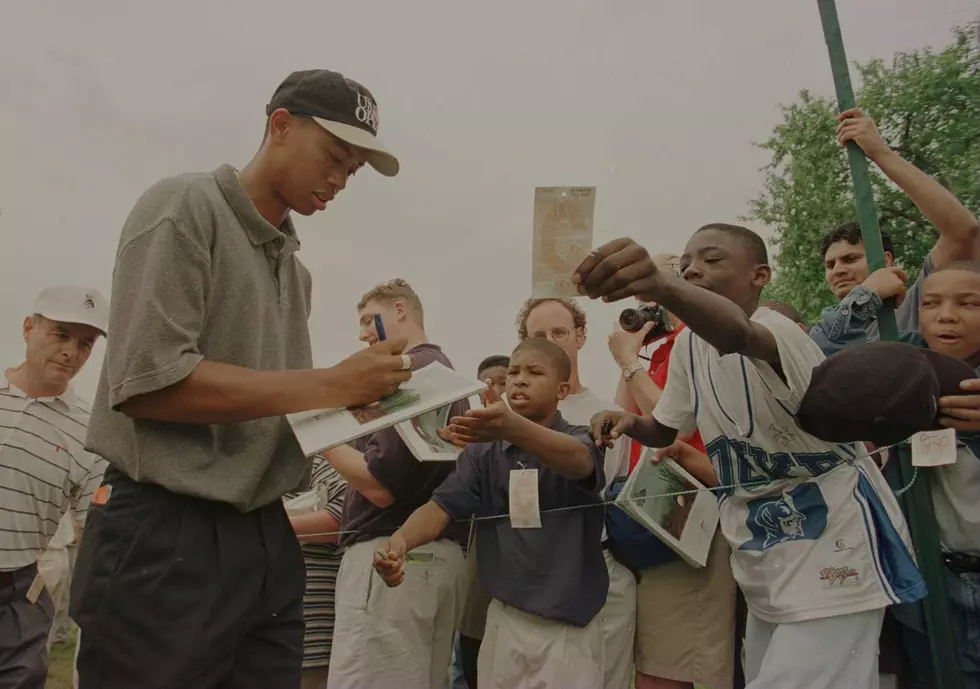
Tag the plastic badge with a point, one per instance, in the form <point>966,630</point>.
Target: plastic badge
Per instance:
<point>934,448</point>
<point>524,510</point>
<point>34,592</point>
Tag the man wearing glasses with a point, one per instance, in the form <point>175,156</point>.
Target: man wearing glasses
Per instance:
<point>563,322</point>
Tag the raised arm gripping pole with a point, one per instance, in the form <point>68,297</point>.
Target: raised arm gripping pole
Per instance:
<point>922,516</point>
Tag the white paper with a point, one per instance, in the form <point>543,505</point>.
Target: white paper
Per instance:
<point>430,388</point>
<point>934,448</point>
<point>686,523</point>
<point>562,238</point>
<point>523,497</point>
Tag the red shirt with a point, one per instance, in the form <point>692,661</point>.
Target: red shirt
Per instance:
<point>659,363</point>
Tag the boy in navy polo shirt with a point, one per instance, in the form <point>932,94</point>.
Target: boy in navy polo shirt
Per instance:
<point>548,582</point>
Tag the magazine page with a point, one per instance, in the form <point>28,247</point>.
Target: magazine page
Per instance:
<point>421,435</point>
<point>430,388</point>
<point>685,522</point>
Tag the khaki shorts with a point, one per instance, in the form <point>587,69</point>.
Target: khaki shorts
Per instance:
<point>521,650</point>
<point>475,600</point>
<point>685,620</point>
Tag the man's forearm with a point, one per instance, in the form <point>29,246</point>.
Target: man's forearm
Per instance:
<point>651,433</point>
<point>645,392</point>
<point>352,465</point>
<point>318,523</point>
<point>624,398</point>
<point>718,321</point>
<point>217,393</point>
<point>560,452</point>
<point>424,526</point>
<point>937,203</point>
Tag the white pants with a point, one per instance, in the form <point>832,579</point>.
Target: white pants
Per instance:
<point>399,637</point>
<point>830,653</point>
<point>617,619</point>
<point>523,651</point>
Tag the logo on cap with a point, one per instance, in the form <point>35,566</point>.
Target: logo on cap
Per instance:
<point>89,302</point>
<point>366,111</point>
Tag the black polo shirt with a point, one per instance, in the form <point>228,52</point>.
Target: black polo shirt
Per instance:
<point>556,572</point>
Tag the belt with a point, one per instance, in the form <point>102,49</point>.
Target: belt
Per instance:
<point>962,562</point>
<point>7,578</point>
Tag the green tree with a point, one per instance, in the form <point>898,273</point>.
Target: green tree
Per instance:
<point>927,106</point>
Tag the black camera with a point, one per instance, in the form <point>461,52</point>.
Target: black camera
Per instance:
<point>632,320</point>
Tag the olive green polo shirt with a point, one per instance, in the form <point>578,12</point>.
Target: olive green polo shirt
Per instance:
<point>200,274</point>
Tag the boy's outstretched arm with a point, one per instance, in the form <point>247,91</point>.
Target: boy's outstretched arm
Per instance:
<point>560,452</point>
<point>425,525</point>
<point>623,268</point>
<point>607,426</point>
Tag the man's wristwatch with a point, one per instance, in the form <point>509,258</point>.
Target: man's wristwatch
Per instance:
<point>632,370</point>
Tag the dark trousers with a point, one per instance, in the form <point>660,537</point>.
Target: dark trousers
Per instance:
<point>741,613</point>
<point>174,592</point>
<point>469,651</point>
<point>24,628</point>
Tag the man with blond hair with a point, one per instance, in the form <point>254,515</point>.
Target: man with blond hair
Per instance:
<point>393,637</point>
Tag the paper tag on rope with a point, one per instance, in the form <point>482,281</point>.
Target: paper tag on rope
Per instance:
<point>523,497</point>
<point>934,448</point>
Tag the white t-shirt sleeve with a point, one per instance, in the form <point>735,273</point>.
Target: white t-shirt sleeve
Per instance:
<point>798,355</point>
<point>676,406</point>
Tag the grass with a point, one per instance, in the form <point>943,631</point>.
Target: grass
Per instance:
<point>60,665</point>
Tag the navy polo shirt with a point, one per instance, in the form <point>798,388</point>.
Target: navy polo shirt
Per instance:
<point>557,572</point>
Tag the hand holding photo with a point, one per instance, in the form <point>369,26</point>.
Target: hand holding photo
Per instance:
<point>431,387</point>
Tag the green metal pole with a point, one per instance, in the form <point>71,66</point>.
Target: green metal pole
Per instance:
<point>922,517</point>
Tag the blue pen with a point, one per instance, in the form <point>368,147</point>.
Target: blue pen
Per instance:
<point>379,327</point>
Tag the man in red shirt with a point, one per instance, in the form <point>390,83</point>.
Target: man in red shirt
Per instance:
<point>685,621</point>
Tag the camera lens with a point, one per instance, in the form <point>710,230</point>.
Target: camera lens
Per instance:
<point>632,320</point>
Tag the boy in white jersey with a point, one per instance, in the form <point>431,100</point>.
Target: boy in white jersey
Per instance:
<point>819,544</point>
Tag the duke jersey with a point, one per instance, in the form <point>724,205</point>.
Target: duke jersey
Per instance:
<point>814,529</point>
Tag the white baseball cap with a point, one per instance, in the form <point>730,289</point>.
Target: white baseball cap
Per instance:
<point>70,304</point>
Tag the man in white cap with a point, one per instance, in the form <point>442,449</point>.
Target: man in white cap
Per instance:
<point>44,468</point>
<point>189,573</point>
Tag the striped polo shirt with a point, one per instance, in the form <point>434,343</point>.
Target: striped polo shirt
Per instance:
<point>44,470</point>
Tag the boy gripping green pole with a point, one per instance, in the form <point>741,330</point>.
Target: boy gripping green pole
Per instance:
<point>922,520</point>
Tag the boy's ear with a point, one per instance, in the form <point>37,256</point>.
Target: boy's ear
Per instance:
<point>762,276</point>
<point>563,390</point>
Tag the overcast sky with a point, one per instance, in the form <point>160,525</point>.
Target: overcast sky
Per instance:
<point>655,103</point>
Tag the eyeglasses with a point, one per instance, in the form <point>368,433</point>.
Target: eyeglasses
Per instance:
<point>558,334</point>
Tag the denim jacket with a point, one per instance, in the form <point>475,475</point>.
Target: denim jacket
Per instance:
<point>855,319</point>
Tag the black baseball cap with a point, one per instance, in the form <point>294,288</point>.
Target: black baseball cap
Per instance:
<point>341,106</point>
<point>882,392</point>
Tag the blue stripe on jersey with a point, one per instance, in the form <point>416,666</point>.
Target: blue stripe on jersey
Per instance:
<point>872,536</point>
<point>784,408</point>
<point>711,382</point>
<point>892,558</point>
<point>694,380</point>
<point>748,399</point>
